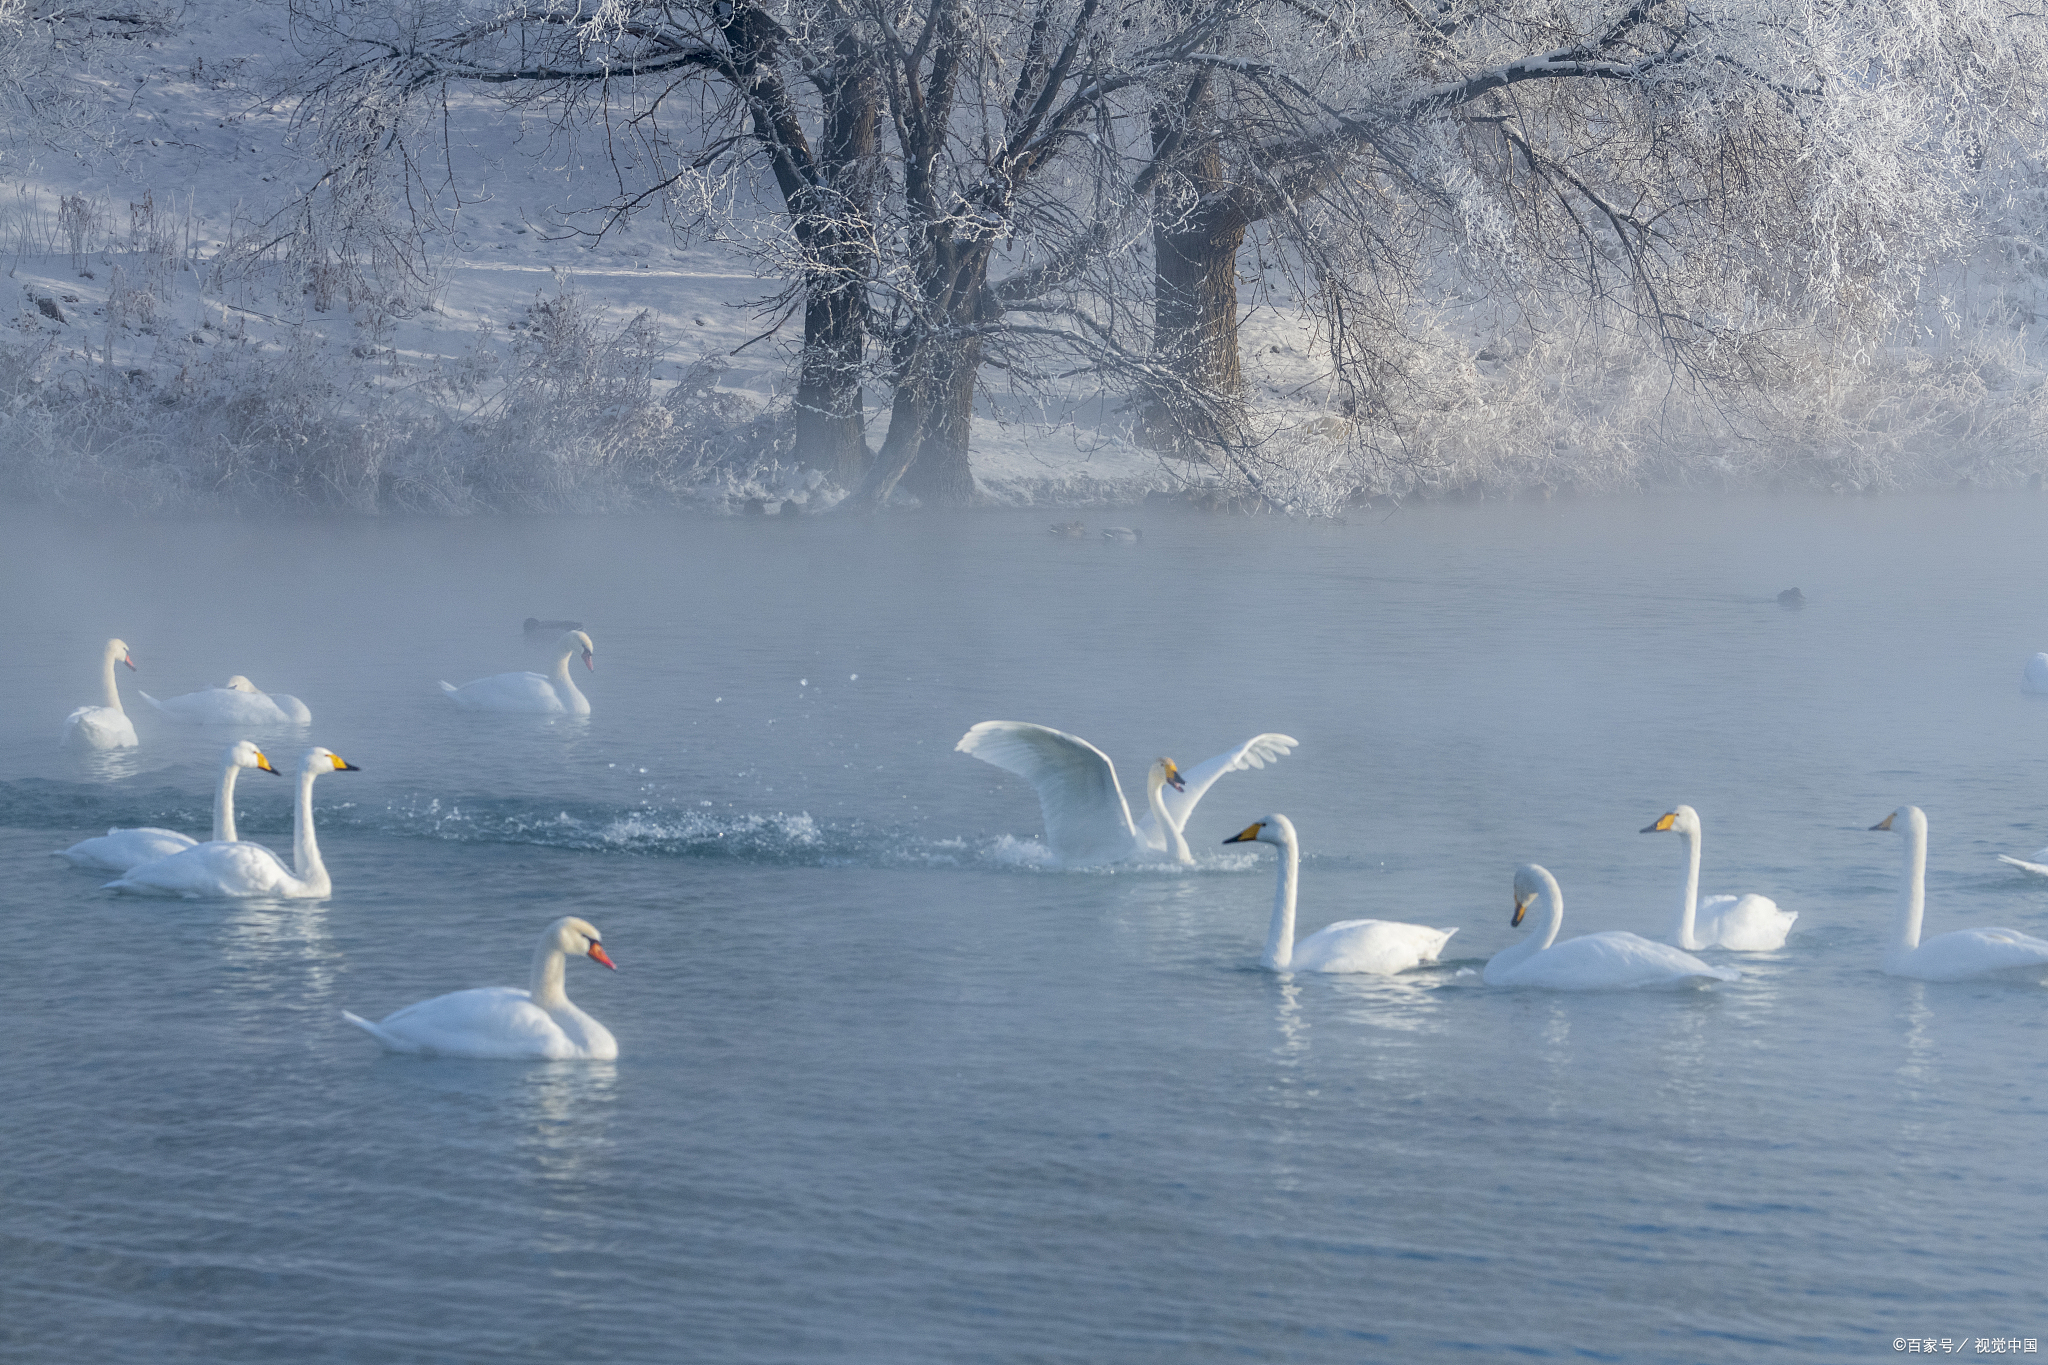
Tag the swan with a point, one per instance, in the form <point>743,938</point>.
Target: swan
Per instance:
<point>1961,954</point>
<point>1087,820</point>
<point>106,726</point>
<point>2038,865</point>
<point>506,1022</point>
<point>2034,677</point>
<point>1610,961</point>
<point>1379,947</point>
<point>1749,924</point>
<point>530,692</point>
<point>229,869</point>
<point>120,849</point>
<point>239,702</point>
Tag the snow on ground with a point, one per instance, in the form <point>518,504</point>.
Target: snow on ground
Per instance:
<point>207,160</point>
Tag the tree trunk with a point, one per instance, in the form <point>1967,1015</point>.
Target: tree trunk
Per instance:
<point>1197,231</point>
<point>940,475</point>
<point>1195,301</point>
<point>927,446</point>
<point>830,428</point>
<point>830,425</point>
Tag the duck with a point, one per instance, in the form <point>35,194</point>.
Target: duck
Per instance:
<point>505,1022</point>
<point>1746,924</point>
<point>532,693</point>
<point>1792,599</point>
<point>120,849</point>
<point>1960,954</point>
<point>1068,530</point>
<point>1087,820</point>
<point>1123,533</point>
<point>242,870</point>
<point>1374,947</point>
<point>237,702</point>
<point>1611,961</point>
<point>105,726</point>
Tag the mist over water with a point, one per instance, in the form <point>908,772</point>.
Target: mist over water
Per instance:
<point>890,1087</point>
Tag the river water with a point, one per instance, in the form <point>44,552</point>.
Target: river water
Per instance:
<point>890,1089</point>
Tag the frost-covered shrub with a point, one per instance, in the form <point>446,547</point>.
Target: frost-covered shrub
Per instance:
<point>568,418</point>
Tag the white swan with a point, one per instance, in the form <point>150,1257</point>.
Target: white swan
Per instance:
<point>120,849</point>
<point>224,869</point>
<point>2038,865</point>
<point>530,692</point>
<point>2034,677</point>
<point>1376,946</point>
<point>1748,924</point>
<point>239,702</point>
<point>1960,954</point>
<point>503,1021</point>
<point>1087,820</point>
<point>105,726</point>
<point>1609,961</point>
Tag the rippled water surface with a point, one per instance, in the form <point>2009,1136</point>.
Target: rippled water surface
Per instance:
<point>892,1090</point>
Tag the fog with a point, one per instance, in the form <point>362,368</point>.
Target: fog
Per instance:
<point>873,1041</point>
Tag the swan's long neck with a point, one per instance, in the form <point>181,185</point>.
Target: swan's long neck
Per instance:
<point>1536,938</point>
<point>545,985</point>
<point>1176,842</point>
<point>566,685</point>
<point>1690,908</point>
<point>1913,890</point>
<point>1553,913</point>
<point>113,691</point>
<point>305,848</point>
<point>1280,934</point>
<point>224,805</point>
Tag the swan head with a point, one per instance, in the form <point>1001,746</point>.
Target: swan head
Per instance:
<point>244,754</point>
<point>1684,819</point>
<point>238,683</point>
<point>577,938</point>
<point>577,642</point>
<point>1165,773</point>
<point>1906,820</point>
<point>118,649</point>
<point>318,760</point>
<point>1531,881</point>
<point>1274,829</point>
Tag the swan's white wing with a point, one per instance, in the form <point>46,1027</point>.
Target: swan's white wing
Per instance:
<point>1749,924</point>
<point>99,727</point>
<point>1612,961</point>
<point>212,869</point>
<point>494,1022</point>
<point>1255,752</point>
<point>1086,818</point>
<point>525,692</point>
<point>293,710</point>
<point>120,849</point>
<point>2039,869</point>
<point>220,706</point>
<point>1375,946</point>
<point>1967,953</point>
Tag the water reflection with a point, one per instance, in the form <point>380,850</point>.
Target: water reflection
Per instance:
<point>107,765</point>
<point>281,949</point>
<point>566,1109</point>
<point>1922,1064</point>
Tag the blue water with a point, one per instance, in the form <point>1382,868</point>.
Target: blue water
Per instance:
<point>889,1089</point>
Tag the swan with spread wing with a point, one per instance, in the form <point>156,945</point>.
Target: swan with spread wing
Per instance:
<point>1087,820</point>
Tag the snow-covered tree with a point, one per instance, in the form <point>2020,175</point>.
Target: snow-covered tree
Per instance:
<point>1064,189</point>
